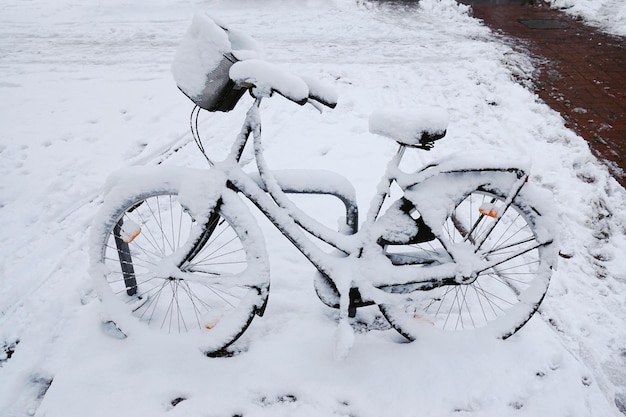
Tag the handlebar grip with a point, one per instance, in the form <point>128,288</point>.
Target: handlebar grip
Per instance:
<point>321,92</point>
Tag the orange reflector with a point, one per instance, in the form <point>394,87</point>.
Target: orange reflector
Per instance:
<point>210,326</point>
<point>488,210</point>
<point>423,319</point>
<point>130,230</point>
<point>131,237</point>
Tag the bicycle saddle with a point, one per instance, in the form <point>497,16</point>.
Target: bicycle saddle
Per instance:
<point>415,128</point>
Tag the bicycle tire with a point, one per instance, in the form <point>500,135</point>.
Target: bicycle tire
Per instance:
<point>210,295</point>
<point>501,299</point>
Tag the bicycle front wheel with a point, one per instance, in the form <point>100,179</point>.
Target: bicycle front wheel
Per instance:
<point>162,271</point>
<point>502,298</point>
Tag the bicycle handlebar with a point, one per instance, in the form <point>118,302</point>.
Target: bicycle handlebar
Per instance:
<point>265,78</point>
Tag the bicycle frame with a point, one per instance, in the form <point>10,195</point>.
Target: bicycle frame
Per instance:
<point>399,249</point>
<point>175,250</point>
<point>270,198</point>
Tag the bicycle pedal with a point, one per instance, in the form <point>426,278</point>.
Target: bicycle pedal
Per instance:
<point>355,296</point>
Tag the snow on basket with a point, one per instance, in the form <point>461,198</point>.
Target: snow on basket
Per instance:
<point>202,62</point>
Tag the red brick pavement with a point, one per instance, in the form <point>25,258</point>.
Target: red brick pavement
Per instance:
<point>582,74</point>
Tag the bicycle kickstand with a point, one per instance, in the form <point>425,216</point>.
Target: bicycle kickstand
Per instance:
<point>355,298</point>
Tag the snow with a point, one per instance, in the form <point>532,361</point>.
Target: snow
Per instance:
<point>323,92</point>
<point>200,52</point>
<point>268,78</point>
<point>608,15</point>
<point>407,126</point>
<point>86,89</point>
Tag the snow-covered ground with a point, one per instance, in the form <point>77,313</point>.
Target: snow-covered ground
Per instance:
<point>608,15</point>
<point>86,88</point>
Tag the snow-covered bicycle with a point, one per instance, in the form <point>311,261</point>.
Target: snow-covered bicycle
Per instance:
<point>176,251</point>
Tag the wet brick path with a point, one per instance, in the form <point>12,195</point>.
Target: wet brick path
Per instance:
<point>582,71</point>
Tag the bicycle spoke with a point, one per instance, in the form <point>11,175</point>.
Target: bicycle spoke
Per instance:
<point>164,239</point>
<point>515,255</point>
<point>208,256</point>
<point>499,250</point>
<point>491,297</point>
<point>123,280</point>
<point>195,299</point>
<point>148,235</point>
<point>168,311</point>
<point>180,317</point>
<point>154,302</point>
<point>448,290</point>
<point>156,253</point>
<point>455,301</point>
<point>480,303</point>
<point>192,299</point>
<point>143,277</point>
<point>210,260</point>
<point>511,252</point>
<point>217,293</point>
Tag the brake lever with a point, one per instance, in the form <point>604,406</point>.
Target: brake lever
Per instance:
<point>316,105</point>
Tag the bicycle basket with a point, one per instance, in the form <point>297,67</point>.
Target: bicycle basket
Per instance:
<point>220,92</point>
<point>201,66</point>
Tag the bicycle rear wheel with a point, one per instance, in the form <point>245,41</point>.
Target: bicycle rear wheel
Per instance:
<point>161,271</point>
<point>502,298</point>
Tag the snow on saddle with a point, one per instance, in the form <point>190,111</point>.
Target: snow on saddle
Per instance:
<point>416,128</point>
